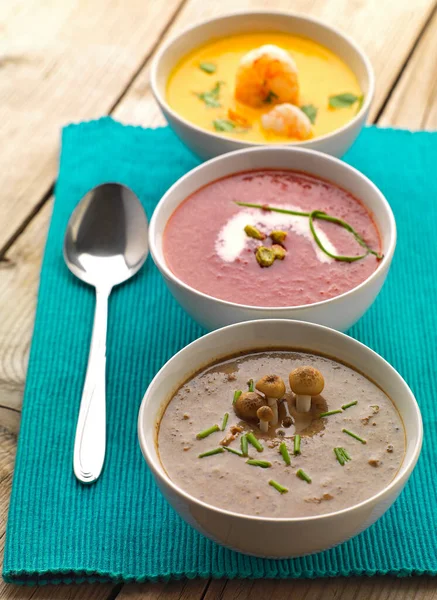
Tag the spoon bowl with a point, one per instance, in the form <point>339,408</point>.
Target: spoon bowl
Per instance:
<point>105,244</point>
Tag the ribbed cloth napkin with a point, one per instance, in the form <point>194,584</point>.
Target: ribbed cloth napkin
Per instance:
<point>121,528</point>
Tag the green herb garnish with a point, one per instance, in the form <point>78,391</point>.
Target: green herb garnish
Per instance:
<point>345,406</point>
<point>251,386</point>
<point>244,445</point>
<point>281,489</point>
<point>360,103</point>
<point>375,408</point>
<point>317,214</point>
<point>206,432</point>
<point>330,412</point>
<point>302,475</point>
<point>283,450</point>
<point>237,394</point>
<point>208,67</point>
<point>344,100</point>
<point>225,421</point>
<point>296,444</point>
<point>223,125</point>
<point>342,455</point>
<point>354,435</point>
<point>255,443</point>
<point>259,463</point>
<point>270,97</point>
<point>211,98</point>
<point>311,112</point>
<point>233,451</point>
<point>211,452</point>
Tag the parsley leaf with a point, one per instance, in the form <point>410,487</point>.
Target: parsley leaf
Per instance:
<point>211,98</point>
<point>270,97</point>
<point>343,100</point>
<point>223,125</point>
<point>311,112</point>
<point>208,67</point>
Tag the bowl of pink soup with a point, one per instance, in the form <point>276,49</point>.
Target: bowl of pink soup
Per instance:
<point>274,232</point>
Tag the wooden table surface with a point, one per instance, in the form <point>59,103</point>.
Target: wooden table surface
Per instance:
<point>69,60</point>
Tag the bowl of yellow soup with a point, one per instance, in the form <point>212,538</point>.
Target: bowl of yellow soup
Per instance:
<point>263,78</point>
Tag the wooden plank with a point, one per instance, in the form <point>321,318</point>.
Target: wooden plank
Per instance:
<point>186,589</point>
<point>413,104</point>
<point>362,21</point>
<point>19,277</point>
<point>61,62</point>
<point>358,588</point>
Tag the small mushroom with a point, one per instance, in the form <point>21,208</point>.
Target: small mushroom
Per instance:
<point>247,405</point>
<point>273,389</point>
<point>265,416</point>
<point>306,382</point>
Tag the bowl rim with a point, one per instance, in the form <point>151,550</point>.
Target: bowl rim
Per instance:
<point>165,269</point>
<point>397,480</point>
<point>161,100</point>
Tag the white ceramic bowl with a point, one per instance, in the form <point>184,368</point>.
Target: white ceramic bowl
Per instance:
<point>340,312</point>
<point>267,536</point>
<point>208,144</point>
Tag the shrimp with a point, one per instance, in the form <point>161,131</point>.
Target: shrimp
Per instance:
<point>287,120</point>
<point>267,75</point>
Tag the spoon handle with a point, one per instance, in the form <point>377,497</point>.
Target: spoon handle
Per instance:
<point>90,441</point>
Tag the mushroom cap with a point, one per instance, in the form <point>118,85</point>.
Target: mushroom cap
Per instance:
<point>247,405</point>
<point>307,381</point>
<point>265,413</point>
<point>272,386</point>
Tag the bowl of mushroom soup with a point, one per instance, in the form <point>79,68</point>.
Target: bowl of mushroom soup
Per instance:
<point>285,425</point>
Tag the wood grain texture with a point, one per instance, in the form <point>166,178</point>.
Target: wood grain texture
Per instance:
<point>413,104</point>
<point>72,60</point>
<point>187,589</point>
<point>61,62</point>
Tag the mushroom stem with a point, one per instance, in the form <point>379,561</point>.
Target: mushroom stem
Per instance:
<point>264,426</point>
<point>287,421</point>
<point>303,403</point>
<point>273,403</point>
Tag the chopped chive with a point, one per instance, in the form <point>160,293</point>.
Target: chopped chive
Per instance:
<point>244,445</point>
<point>211,452</point>
<point>233,451</point>
<point>339,456</point>
<point>208,67</point>
<point>296,444</point>
<point>225,421</point>
<point>342,455</point>
<point>302,475</point>
<point>330,412</point>
<point>250,384</point>
<point>283,450</point>
<point>354,435</point>
<point>281,489</point>
<point>206,432</point>
<point>255,443</point>
<point>346,454</point>
<point>259,463</point>
<point>237,394</point>
<point>345,406</point>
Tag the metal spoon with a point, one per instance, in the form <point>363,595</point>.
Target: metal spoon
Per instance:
<point>105,244</point>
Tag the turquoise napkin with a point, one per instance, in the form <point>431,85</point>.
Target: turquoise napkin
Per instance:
<point>121,528</point>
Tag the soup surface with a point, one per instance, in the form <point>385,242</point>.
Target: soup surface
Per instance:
<point>321,75</point>
<point>225,480</point>
<point>206,246</point>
